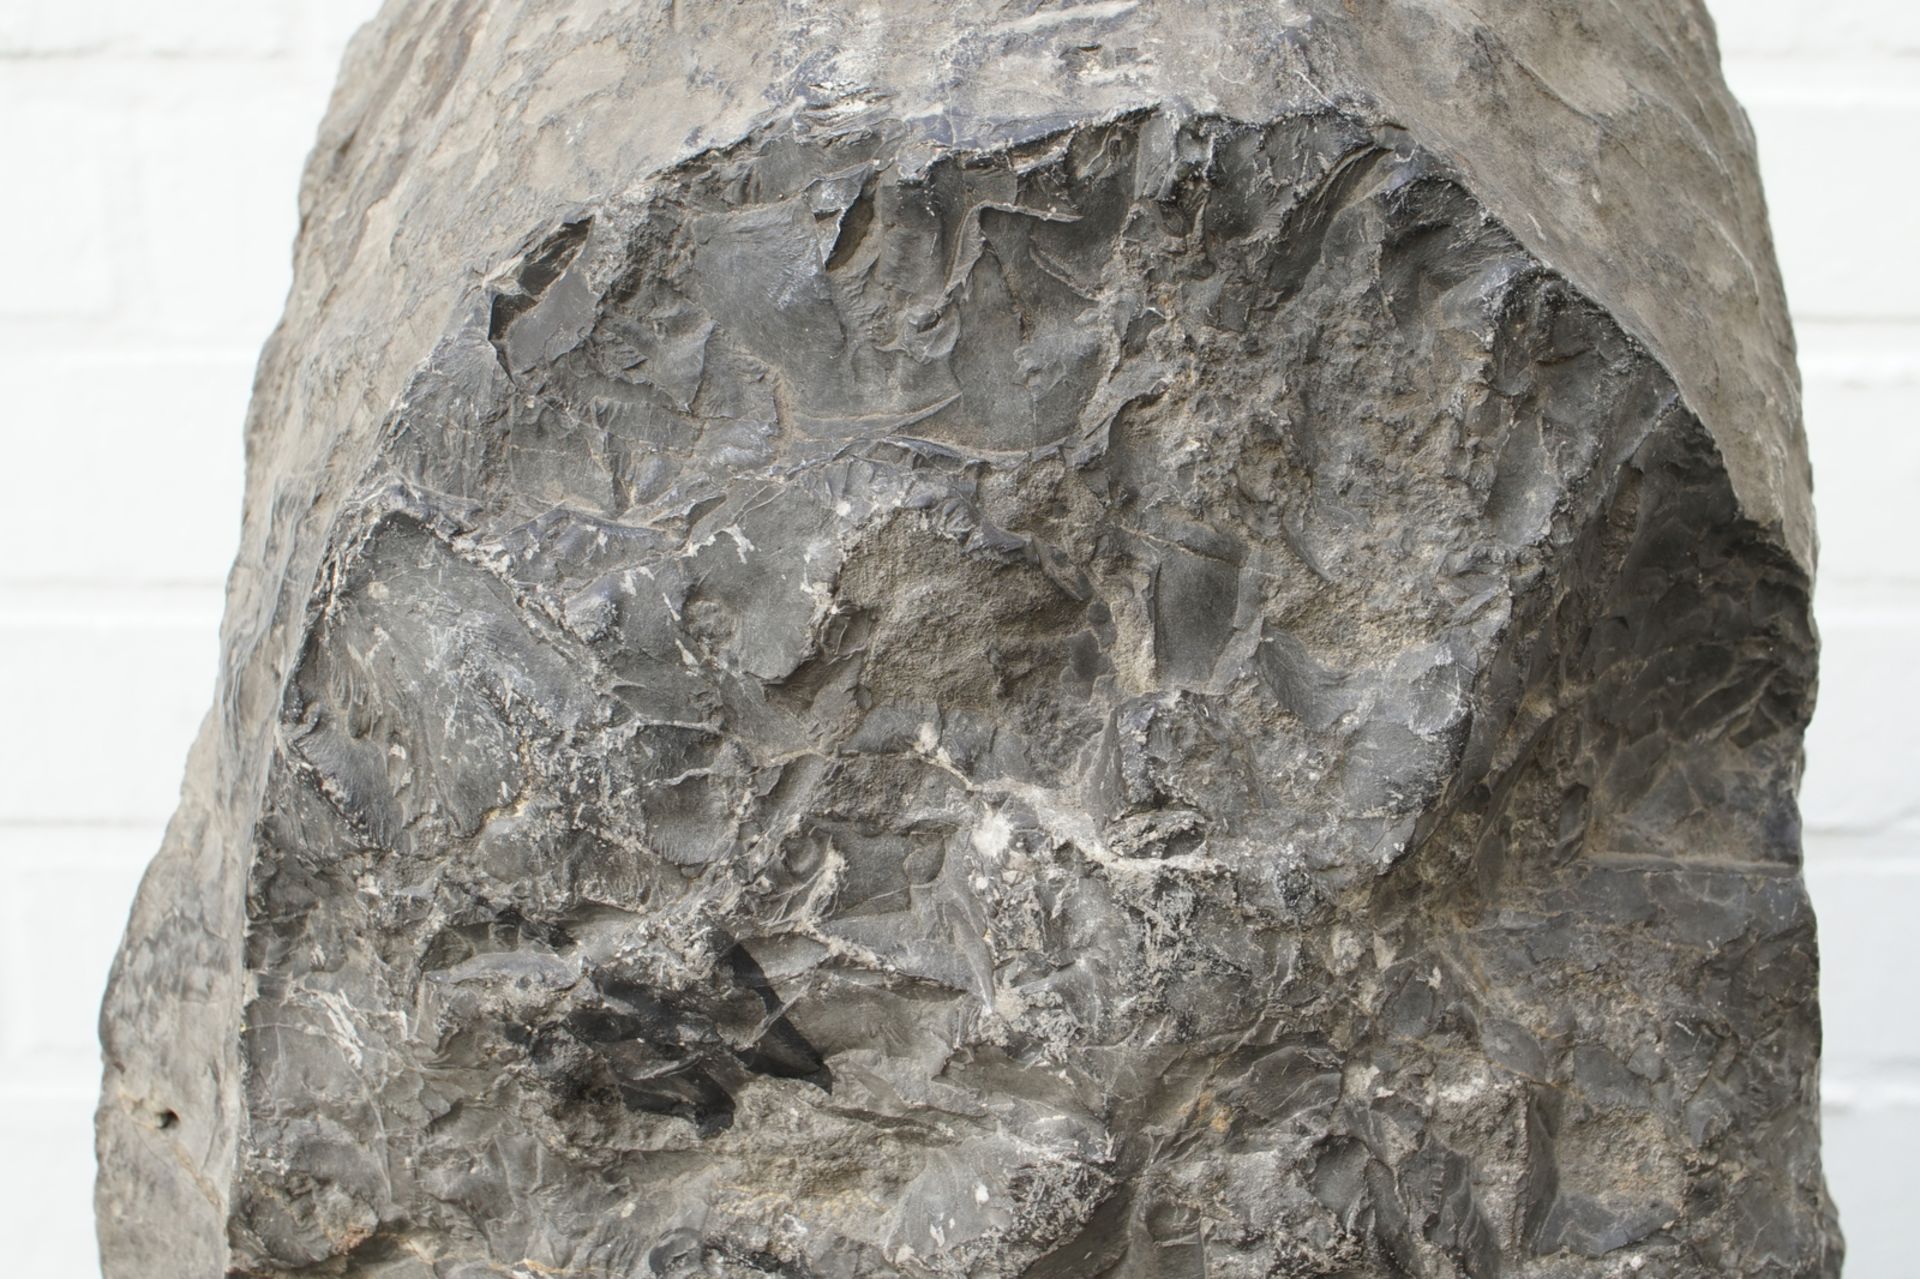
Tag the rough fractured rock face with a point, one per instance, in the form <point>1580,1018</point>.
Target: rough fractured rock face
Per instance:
<point>1161,698</point>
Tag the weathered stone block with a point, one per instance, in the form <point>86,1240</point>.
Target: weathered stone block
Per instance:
<point>1091,640</point>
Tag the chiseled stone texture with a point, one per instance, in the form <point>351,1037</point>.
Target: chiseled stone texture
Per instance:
<point>1001,640</point>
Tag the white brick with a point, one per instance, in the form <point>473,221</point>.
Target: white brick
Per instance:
<point>122,467</point>
<point>46,1181</point>
<point>220,28</point>
<point>1867,912</point>
<point>1864,436</point>
<point>1841,210</point>
<point>1890,845</point>
<point>1869,1155</point>
<point>42,29</point>
<point>1865,738</point>
<point>54,217</point>
<point>217,211</point>
<point>1797,27</point>
<point>80,881</point>
<point>100,712</point>
<point>1861,355</point>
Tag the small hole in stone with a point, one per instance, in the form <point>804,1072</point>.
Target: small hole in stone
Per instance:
<point>168,1120</point>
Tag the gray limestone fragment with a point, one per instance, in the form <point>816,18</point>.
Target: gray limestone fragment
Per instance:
<point>1001,639</point>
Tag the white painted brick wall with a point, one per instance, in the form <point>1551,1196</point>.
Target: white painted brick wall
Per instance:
<point>150,154</point>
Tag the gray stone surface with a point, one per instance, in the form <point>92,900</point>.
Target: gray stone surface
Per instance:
<point>987,639</point>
